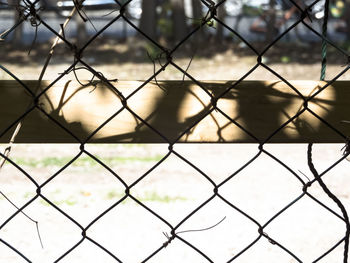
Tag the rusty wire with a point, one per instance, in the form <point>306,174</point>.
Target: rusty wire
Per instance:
<point>31,11</point>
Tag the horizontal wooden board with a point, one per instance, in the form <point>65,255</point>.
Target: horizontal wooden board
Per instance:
<point>252,111</point>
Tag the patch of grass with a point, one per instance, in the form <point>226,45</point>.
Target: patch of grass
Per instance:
<point>84,161</point>
<point>28,195</point>
<point>155,197</point>
<point>114,194</point>
<point>43,202</point>
<point>146,197</point>
<point>151,196</point>
<point>44,162</point>
<point>69,201</point>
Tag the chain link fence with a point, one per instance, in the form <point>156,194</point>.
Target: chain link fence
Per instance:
<point>30,12</point>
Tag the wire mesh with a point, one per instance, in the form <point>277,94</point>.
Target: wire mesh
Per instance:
<point>30,12</point>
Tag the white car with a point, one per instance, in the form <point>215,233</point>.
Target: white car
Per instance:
<point>134,7</point>
<point>87,3</point>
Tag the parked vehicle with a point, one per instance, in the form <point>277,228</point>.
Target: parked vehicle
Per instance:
<point>134,7</point>
<point>91,4</point>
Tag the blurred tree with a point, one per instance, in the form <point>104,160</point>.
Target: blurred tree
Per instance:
<point>347,18</point>
<point>179,25</point>
<point>221,13</point>
<point>17,37</point>
<point>196,9</point>
<point>271,21</point>
<point>197,16</point>
<point>81,24</point>
<point>81,29</point>
<point>148,21</point>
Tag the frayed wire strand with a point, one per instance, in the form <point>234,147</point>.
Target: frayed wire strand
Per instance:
<point>154,69</point>
<point>31,219</point>
<point>19,125</point>
<point>203,229</point>
<point>82,14</point>
<point>171,238</point>
<point>33,18</point>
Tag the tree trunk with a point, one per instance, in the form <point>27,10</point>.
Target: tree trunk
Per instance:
<point>347,18</point>
<point>18,32</point>
<point>148,23</point>
<point>179,19</point>
<point>197,16</point>
<point>80,25</point>
<point>270,22</point>
<point>81,30</point>
<point>220,29</point>
<point>196,9</point>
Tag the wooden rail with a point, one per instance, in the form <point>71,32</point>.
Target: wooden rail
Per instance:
<point>259,107</point>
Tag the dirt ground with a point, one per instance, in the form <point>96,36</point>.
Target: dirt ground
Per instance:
<point>174,189</point>
<point>130,61</point>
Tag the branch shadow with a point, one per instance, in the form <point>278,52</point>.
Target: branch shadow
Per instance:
<point>182,111</point>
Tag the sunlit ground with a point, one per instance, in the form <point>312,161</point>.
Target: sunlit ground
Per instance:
<point>173,190</point>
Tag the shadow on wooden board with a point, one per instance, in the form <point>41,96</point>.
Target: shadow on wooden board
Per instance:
<point>251,111</point>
